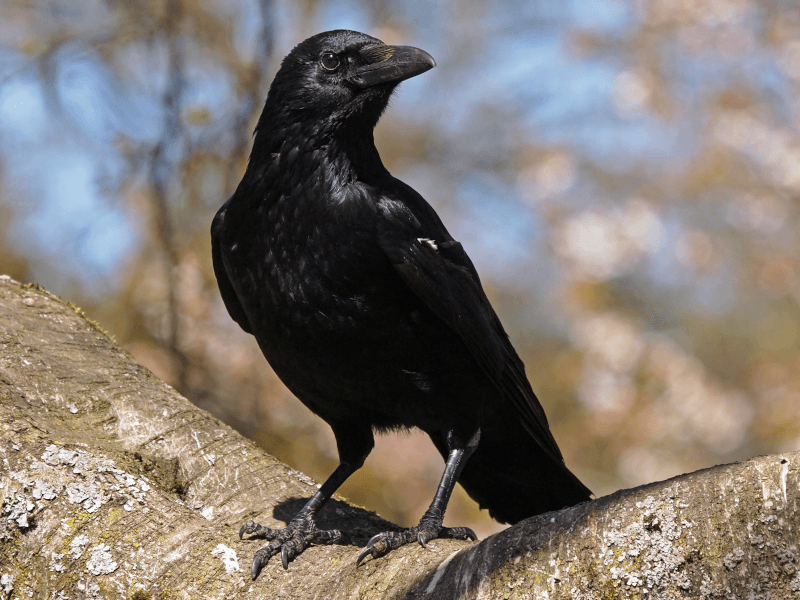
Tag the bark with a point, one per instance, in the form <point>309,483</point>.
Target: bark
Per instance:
<point>114,486</point>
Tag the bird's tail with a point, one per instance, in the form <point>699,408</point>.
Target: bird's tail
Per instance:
<point>515,481</point>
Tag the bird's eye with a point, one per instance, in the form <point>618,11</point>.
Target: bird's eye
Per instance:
<point>329,61</point>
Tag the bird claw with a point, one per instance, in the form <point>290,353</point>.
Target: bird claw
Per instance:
<point>383,543</point>
<point>458,533</point>
<point>256,531</point>
<point>378,545</point>
<point>289,541</point>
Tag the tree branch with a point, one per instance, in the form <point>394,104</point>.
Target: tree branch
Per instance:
<point>114,486</point>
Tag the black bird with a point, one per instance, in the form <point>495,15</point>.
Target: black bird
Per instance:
<point>367,308</point>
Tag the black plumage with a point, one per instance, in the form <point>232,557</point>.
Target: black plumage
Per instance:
<point>366,307</point>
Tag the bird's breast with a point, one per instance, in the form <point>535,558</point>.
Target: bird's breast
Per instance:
<point>313,268</point>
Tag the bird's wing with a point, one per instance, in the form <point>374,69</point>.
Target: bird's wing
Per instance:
<point>229,297</point>
<point>441,275</point>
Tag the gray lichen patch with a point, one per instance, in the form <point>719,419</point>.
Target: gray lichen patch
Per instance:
<point>86,493</point>
<point>16,509</point>
<point>647,553</point>
<point>94,489</point>
<point>56,565</point>
<point>79,477</point>
<point>81,461</point>
<point>45,489</point>
<point>7,583</point>
<point>101,561</point>
<point>732,559</point>
<point>77,545</point>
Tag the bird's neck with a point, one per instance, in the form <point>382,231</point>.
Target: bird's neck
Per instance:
<point>342,154</point>
<point>353,158</point>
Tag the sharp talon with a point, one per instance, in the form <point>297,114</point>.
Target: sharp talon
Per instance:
<point>373,548</point>
<point>421,540</point>
<point>249,527</point>
<point>363,555</point>
<point>256,568</point>
<point>285,557</point>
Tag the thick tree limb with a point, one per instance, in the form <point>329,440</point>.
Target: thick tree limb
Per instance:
<point>114,486</point>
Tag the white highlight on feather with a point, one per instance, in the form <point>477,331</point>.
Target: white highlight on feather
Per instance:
<point>428,241</point>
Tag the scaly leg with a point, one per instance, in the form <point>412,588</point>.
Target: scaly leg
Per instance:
<point>430,526</point>
<point>302,530</point>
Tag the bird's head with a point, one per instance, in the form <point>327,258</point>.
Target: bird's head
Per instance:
<point>338,79</point>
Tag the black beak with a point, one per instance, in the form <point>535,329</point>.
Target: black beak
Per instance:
<point>390,64</point>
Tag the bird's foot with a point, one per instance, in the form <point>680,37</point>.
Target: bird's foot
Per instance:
<point>289,541</point>
<point>429,528</point>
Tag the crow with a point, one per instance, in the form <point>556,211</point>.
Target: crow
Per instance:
<point>367,308</point>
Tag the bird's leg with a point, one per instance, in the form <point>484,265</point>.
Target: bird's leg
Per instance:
<point>430,526</point>
<point>302,530</point>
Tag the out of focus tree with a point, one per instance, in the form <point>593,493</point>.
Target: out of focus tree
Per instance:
<point>624,174</point>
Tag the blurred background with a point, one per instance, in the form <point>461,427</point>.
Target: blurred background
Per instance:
<point>624,174</point>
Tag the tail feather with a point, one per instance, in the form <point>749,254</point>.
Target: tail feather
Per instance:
<point>515,482</point>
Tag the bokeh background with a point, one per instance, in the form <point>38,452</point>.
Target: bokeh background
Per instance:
<point>624,174</point>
